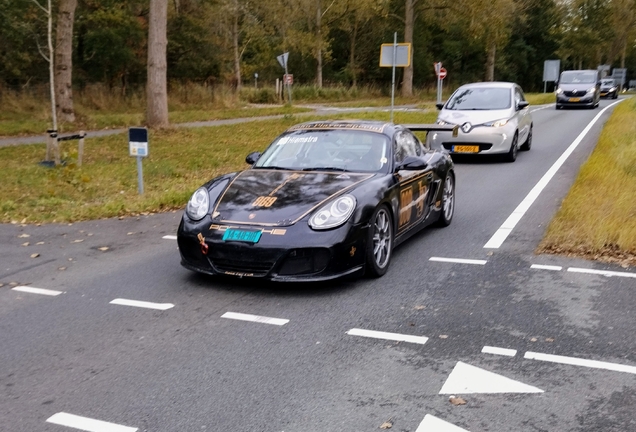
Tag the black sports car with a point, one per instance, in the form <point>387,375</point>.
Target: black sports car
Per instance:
<point>324,200</point>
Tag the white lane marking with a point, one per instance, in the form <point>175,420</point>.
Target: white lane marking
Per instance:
<point>388,336</point>
<point>87,424</point>
<point>434,424</point>
<point>542,107</point>
<point>465,379</point>
<point>169,237</point>
<point>602,272</point>
<point>574,361</point>
<point>255,318</point>
<point>142,304</point>
<point>506,228</point>
<point>499,351</point>
<point>33,290</point>
<point>458,260</point>
<point>546,267</point>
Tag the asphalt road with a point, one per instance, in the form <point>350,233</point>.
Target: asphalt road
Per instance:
<point>548,348</point>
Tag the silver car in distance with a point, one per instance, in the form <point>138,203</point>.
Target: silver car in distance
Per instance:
<point>493,118</point>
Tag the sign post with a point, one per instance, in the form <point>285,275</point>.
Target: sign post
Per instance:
<point>395,55</point>
<point>282,60</point>
<point>138,146</point>
<point>441,74</point>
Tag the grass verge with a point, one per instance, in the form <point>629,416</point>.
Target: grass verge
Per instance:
<point>181,159</point>
<point>597,218</point>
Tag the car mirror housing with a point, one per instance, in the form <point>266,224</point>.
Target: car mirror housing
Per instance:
<point>439,106</point>
<point>252,157</point>
<point>411,163</point>
<point>522,104</point>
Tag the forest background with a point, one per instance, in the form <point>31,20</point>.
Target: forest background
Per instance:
<point>225,43</point>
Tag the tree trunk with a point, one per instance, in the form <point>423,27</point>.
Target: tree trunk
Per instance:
<point>318,45</point>
<point>157,89</point>
<point>235,43</point>
<point>64,61</point>
<point>352,55</point>
<point>490,62</point>
<point>409,24</point>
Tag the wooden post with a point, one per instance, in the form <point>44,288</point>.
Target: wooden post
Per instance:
<point>80,150</point>
<point>49,143</point>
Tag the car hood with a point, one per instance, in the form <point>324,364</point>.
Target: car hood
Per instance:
<point>473,117</point>
<point>279,198</point>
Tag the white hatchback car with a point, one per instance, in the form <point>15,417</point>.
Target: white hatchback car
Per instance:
<point>493,118</point>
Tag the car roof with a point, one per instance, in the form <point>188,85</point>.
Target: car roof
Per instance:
<point>490,84</point>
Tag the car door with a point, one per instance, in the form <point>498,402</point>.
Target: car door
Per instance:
<point>523,115</point>
<point>414,185</point>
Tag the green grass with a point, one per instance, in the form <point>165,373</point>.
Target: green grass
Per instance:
<point>540,98</point>
<point>180,160</point>
<point>596,219</point>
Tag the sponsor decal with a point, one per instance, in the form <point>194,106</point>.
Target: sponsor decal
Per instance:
<point>356,126</point>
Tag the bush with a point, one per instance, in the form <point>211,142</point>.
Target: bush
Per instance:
<point>261,96</point>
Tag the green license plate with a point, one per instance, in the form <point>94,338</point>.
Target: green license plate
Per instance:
<point>242,236</point>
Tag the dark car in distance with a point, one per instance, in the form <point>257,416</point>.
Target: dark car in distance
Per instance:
<point>324,200</point>
<point>609,89</point>
<point>578,88</point>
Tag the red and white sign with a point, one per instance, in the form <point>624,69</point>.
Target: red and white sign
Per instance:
<point>288,78</point>
<point>442,73</point>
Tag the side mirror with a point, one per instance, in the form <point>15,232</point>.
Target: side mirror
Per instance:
<point>439,106</point>
<point>252,157</point>
<point>411,163</point>
<point>522,104</point>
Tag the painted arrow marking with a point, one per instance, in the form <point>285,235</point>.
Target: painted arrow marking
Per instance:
<point>466,379</point>
<point>433,424</point>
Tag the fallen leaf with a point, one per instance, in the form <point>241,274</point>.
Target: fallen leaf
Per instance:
<point>549,340</point>
<point>35,255</point>
<point>130,233</point>
<point>23,220</point>
<point>533,340</point>
<point>13,283</point>
<point>70,259</point>
<point>61,268</point>
<point>456,400</point>
<point>1,284</point>
<point>103,248</point>
<point>24,236</point>
<point>443,336</point>
<point>39,243</point>
<point>25,244</point>
<point>420,307</point>
<point>77,241</point>
<point>387,424</point>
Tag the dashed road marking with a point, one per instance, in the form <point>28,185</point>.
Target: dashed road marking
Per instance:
<point>499,351</point>
<point>87,424</point>
<point>255,318</point>
<point>506,228</point>
<point>142,304</point>
<point>388,336</point>
<point>574,361</point>
<point>546,267</point>
<point>467,379</point>
<point>458,260</point>
<point>33,290</point>
<point>169,237</point>
<point>602,272</point>
<point>434,424</point>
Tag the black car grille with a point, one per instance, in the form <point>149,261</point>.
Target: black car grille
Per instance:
<point>256,268</point>
<point>305,261</point>
<point>577,93</point>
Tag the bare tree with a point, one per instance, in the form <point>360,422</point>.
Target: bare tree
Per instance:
<point>157,88</point>
<point>64,60</point>
<point>49,58</point>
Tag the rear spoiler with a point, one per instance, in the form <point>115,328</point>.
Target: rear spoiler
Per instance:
<point>432,127</point>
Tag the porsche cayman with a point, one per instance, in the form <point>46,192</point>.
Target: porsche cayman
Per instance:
<point>323,201</point>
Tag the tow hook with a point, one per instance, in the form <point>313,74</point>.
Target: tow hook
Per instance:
<point>204,245</point>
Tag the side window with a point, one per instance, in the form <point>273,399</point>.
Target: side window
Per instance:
<point>406,144</point>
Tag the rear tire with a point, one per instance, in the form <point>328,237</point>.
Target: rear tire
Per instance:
<point>528,144</point>
<point>448,201</point>
<point>379,243</point>
<point>511,156</point>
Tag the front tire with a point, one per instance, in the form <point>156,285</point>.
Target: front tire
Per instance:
<point>448,202</point>
<point>379,243</point>
<point>511,156</point>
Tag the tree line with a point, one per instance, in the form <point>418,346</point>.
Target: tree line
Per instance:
<point>329,41</point>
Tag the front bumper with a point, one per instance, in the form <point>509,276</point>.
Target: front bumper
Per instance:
<point>488,139</point>
<point>587,100</point>
<point>287,254</point>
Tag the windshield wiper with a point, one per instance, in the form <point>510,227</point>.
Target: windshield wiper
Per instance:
<point>325,169</point>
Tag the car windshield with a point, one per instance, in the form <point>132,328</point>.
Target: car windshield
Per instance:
<point>578,78</point>
<point>328,150</point>
<point>607,82</point>
<point>480,98</point>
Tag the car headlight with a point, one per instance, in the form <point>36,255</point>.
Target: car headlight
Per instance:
<point>591,90</point>
<point>497,123</point>
<point>199,204</point>
<point>613,88</point>
<point>559,90</point>
<point>334,213</point>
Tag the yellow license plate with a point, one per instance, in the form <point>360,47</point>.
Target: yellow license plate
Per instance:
<point>575,99</point>
<point>465,149</point>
